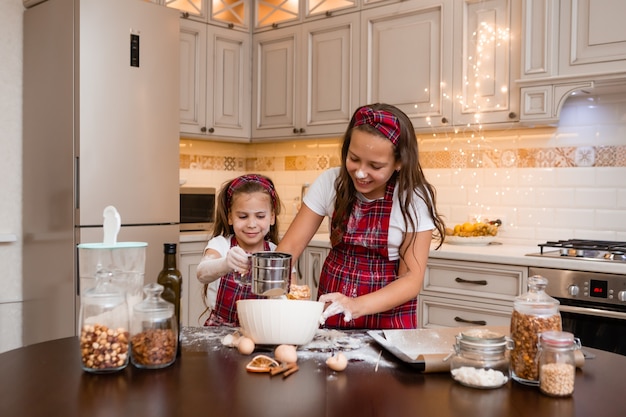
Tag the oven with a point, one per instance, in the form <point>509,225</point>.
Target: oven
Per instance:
<point>592,304</point>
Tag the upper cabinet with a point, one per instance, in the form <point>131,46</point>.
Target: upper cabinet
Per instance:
<point>234,14</point>
<point>406,59</point>
<point>444,63</point>
<point>486,61</point>
<point>271,14</point>
<point>569,45</point>
<point>214,82</point>
<point>593,37</point>
<point>304,78</point>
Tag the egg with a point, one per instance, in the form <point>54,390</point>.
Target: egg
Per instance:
<point>245,345</point>
<point>337,362</point>
<point>286,354</point>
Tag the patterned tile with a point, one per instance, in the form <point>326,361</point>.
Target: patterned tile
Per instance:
<point>483,157</point>
<point>606,156</point>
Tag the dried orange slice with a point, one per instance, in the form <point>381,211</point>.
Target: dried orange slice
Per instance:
<point>261,363</point>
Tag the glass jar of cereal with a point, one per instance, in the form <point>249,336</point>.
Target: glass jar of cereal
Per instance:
<point>534,312</point>
<point>557,363</point>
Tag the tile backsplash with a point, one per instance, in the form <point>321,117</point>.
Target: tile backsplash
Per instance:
<point>544,183</point>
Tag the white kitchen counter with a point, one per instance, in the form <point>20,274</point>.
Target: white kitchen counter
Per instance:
<point>186,237</point>
<point>509,254</point>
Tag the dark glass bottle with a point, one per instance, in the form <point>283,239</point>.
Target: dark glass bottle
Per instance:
<point>172,281</point>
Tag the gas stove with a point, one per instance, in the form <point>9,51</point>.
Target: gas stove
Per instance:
<point>591,250</point>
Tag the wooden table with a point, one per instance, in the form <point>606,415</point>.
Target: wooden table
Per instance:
<point>210,380</point>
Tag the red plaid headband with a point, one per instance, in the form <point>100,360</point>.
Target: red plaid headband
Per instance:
<point>383,121</point>
<point>264,182</point>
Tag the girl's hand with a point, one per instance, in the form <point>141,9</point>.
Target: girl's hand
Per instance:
<point>238,260</point>
<point>339,303</point>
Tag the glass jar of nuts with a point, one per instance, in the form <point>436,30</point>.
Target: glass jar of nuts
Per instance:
<point>533,312</point>
<point>557,363</point>
<point>153,337</point>
<point>103,327</point>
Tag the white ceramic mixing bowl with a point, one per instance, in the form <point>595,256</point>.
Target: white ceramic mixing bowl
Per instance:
<point>279,321</point>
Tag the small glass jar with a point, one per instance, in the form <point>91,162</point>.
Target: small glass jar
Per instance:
<point>481,359</point>
<point>103,327</point>
<point>557,363</point>
<point>153,339</point>
<point>534,312</point>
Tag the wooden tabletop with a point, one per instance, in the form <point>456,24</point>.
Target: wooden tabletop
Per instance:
<point>210,380</point>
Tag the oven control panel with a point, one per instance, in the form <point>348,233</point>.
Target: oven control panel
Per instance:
<point>591,287</point>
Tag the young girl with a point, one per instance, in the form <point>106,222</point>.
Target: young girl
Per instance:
<point>382,213</point>
<point>246,222</point>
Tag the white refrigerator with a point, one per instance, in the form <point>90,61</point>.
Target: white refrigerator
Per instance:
<point>101,94</point>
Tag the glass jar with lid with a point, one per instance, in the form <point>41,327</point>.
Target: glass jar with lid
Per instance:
<point>534,312</point>
<point>103,327</point>
<point>557,363</point>
<point>481,359</point>
<point>154,330</point>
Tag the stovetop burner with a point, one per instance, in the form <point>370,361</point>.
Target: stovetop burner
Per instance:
<point>596,250</point>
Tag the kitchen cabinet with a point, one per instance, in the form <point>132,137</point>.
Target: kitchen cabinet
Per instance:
<point>192,9</point>
<point>461,293</point>
<point>593,37</point>
<point>486,61</point>
<point>443,62</point>
<point>406,59</point>
<point>296,91</point>
<point>234,14</point>
<point>192,304</point>
<point>270,14</point>
<point>214,82</point>
<point>310,267</point>
<point>569,45</point>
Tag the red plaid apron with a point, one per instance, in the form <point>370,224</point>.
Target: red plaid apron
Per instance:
<point>359,264</point>
<point>225,311</point>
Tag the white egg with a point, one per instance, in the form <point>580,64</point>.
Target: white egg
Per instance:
<point>245,345</point>
<point>286,354</point>
<point>337,362</point>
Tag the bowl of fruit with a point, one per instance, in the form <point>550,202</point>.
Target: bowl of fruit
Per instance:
<point>473,233</point>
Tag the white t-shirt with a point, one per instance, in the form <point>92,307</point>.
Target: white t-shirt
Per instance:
<point>321,199</point>
<point>220,244</point>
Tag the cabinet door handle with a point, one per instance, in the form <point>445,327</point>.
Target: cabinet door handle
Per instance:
<point>469,281</point>
<point>475,322</point>
<point>315,270</point>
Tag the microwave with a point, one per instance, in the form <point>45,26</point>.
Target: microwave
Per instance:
<point>197,209</point>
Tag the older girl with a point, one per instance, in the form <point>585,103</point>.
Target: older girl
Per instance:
<point>383,215</point>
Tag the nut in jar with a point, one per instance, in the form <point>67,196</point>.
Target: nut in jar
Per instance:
<point>154,336</point>
<point>104,334</point>
<point>103,349</point>
<point>534,312</point>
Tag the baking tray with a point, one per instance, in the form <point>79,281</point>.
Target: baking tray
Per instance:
<point>425,350</point>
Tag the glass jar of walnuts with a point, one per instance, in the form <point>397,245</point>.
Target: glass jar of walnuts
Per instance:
<point>154,334</point>
<point>534,312</point>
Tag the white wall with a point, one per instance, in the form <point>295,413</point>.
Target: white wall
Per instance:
<point>11,12</point>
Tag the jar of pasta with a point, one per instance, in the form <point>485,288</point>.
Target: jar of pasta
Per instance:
<point>534,312</point>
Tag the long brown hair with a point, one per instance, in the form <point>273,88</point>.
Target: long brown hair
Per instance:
<point>409,179</point>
